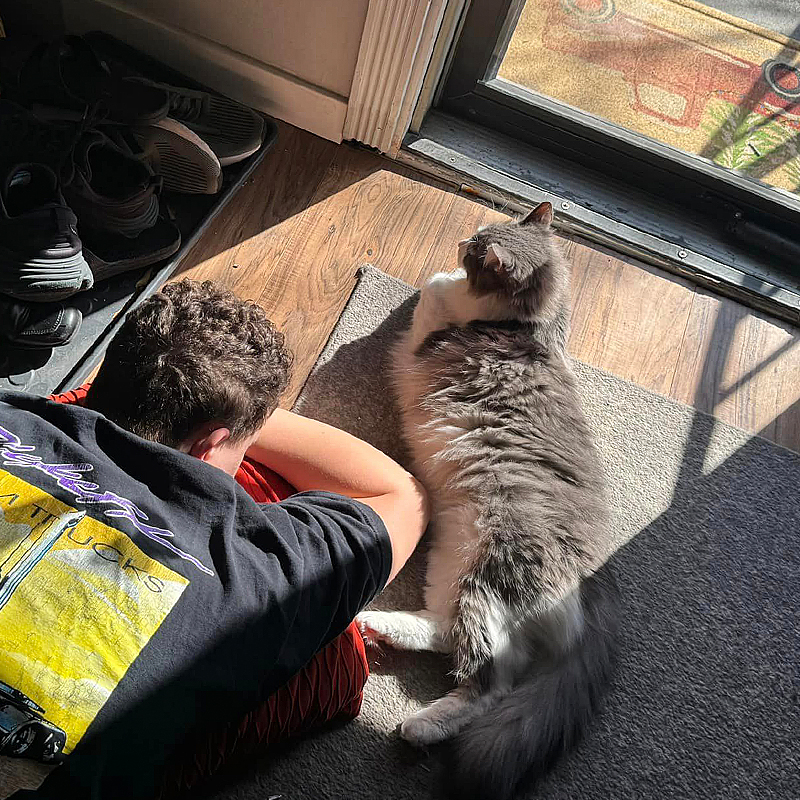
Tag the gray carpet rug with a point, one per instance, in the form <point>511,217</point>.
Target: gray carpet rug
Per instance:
<point>705,699</point>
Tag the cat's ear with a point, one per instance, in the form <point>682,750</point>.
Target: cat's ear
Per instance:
<point>463,246</point>
<point>498,259</point>
<point>542,215</point>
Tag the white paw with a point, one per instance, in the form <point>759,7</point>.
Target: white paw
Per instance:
<point>373,627</point>
<point>421,732</point>
<point>444,278</point>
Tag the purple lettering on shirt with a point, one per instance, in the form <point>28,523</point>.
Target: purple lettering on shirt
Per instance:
<point>70,477</point>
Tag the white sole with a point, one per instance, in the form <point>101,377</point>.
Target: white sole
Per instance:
<point>239,156</point>
<point>186,163</point>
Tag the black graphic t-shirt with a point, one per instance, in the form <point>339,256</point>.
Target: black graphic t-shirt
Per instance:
<point>144,596</point>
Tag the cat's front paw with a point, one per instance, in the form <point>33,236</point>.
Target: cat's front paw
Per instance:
<point>439,279</point>
<point>373,628</point>
<point>422,732</point>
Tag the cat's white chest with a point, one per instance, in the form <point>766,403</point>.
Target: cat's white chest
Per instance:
<point>446,300</point>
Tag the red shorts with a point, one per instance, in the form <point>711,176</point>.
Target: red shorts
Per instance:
<point>329,687</point>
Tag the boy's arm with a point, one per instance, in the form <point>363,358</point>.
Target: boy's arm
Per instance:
<point>312,455</point>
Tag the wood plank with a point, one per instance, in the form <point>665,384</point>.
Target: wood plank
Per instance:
<point>257,224</point>
<point>464,218</point>
<point>493,215</point>
<point>785,427</point>
<point>296,234</point>
<point>626,318</point>
<point>742,367</point>
<point>361,212</point>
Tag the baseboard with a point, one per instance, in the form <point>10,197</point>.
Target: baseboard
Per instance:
<point>252,82</point>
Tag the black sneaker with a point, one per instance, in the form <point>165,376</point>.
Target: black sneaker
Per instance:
<point>110,254</point>
<point>41,256</point>
<point>110,189</point>
<point>37,326</point>
<point>26,137</point>
<point>68,74</point>
<point>107,185</point>
<point>116,196</point>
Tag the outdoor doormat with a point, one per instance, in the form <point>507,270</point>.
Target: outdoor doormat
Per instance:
<point>680,71</point>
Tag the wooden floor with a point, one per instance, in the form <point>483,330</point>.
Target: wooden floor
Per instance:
<point>313,212</point>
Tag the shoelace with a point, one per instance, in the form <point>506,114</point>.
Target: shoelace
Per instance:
<point>184,106</point>
<point>56,139</point>
<point>91,118</point>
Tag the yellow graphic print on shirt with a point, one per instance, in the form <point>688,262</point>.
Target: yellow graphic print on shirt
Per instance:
<point>78,602</point>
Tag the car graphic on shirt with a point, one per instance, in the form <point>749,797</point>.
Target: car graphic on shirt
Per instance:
<point>24,731</point>
<point>31,549</point>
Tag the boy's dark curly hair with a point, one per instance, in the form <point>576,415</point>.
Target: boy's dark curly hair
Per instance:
<point>191,354</point>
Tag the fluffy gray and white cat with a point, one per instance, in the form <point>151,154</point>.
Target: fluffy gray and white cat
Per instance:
<point>519,522</point>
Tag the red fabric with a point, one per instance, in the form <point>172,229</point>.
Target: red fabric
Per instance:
<point>261,483</point>
<point>329,687</point>
<point>73,395</point>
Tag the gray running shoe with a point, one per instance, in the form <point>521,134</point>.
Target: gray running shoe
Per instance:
<point>231,130</point>
<point>185,162</point>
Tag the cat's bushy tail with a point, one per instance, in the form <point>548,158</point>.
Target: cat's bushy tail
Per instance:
<point>525,730</point>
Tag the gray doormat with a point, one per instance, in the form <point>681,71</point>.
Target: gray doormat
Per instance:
<point>705,700</point>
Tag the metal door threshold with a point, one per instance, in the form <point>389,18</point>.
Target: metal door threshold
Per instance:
<point>514,176</point>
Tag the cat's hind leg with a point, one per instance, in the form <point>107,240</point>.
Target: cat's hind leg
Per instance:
<point>445,717</point>
<point>405,630</point>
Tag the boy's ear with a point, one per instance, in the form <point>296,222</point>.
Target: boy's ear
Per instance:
<point>207,443</point>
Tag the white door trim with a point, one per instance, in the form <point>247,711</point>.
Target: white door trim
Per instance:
<point>396,47</point>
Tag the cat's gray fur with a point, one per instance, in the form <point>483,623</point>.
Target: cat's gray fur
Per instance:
<point>517,588</point>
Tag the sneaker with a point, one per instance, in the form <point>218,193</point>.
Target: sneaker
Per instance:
<point>68,74</point>
<point>230,129</point>
<point>114,192</point>
<point>37,326</point>
<point>110,189</point>
<point>41,256</point>
<point>24,136</point>
<point>110,254</point>
<point>185,162</point>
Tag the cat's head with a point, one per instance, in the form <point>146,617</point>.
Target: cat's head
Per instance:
<point>520,262</point>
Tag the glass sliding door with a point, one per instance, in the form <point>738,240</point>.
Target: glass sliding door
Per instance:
<point>698,99</point>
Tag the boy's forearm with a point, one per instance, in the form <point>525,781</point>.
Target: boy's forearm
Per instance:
<point>312,455</point>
